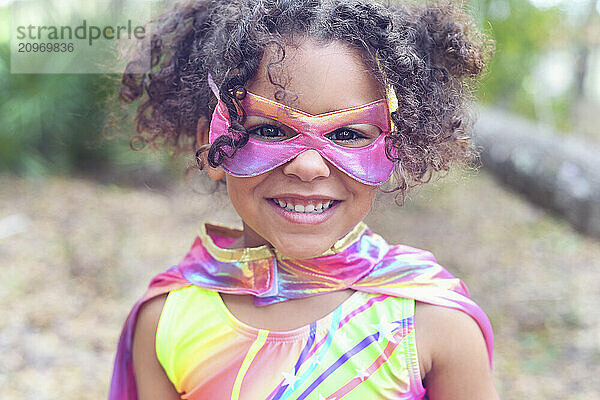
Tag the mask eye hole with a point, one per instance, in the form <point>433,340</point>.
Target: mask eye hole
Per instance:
<point>354,136</point>
<point>267,130</point>
<point>267,133</point>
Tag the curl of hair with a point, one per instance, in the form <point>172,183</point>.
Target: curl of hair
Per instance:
<point>429,53</point>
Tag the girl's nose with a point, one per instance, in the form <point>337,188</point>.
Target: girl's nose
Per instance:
<point>307,166</point>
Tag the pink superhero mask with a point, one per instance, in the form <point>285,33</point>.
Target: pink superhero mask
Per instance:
<point>367,164</point>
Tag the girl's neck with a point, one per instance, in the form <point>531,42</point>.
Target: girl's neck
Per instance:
<point>249,238</point>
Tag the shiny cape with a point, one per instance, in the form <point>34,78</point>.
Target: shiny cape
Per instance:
<point>361,261</point>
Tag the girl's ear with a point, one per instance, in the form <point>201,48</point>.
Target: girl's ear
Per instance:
<point>202,129</point>
<point>216,174</point>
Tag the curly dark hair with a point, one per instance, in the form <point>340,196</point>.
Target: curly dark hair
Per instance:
<point>429,53</point>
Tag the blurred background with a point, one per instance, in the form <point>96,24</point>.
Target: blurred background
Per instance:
<point>85,222</point>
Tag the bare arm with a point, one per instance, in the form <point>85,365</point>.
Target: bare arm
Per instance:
<point>152,382</point>
<point>453,355</point>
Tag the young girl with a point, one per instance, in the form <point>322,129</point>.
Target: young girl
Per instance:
<point>305,108</point>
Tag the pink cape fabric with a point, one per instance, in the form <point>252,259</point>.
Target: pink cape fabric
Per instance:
<point>402,271</point>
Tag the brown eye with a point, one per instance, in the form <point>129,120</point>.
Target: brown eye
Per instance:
<point>345,134</point>
<point>267,131</point>
<point>350,137</point>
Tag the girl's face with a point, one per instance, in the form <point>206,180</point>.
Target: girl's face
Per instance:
<point>304,206</point>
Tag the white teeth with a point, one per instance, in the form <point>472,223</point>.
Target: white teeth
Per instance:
<point>299,208</point>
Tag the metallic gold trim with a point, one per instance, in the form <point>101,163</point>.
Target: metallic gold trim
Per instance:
<point>256,253</point>
<point>230,255</point>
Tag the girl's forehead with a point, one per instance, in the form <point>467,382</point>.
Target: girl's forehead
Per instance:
<point>316,78</point>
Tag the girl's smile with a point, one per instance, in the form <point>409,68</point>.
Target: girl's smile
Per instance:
<point>304,206</point>
<point>301,208</point>
<point>309,213</point>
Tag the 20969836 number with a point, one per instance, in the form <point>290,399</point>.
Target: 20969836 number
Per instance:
<point>45,47</point>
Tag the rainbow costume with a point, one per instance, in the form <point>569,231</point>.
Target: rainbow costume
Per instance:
<point>364,349</point>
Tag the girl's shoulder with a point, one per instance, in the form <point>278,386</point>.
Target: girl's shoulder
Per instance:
<point>151,380</point>
<point>451,349</point>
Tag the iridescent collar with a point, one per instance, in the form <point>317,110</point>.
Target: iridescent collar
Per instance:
<point>269,276</point>
<point>215,238</point>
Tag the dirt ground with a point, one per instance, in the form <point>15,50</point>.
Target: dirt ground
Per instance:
<point>75,255</point>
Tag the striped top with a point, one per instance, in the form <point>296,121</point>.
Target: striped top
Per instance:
<point>364,349</point>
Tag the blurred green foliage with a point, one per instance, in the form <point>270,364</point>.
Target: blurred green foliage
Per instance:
<point>522,32</point>
<point>50,122</point>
